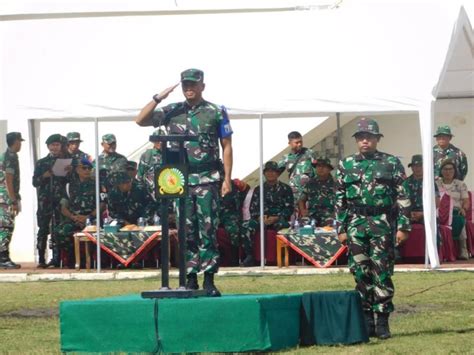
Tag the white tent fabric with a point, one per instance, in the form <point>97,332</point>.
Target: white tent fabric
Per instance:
<point>298,62</point>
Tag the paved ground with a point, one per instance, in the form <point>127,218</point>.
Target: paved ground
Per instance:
<point>29,272</point>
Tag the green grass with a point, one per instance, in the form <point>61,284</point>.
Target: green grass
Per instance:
<point>435,310</point>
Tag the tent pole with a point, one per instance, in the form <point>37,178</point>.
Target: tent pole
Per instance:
<point>262,226</point>
<point>338,132</point>
<point>97,191</point>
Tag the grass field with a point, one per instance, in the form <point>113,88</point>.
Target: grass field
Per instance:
<point>435,310</point>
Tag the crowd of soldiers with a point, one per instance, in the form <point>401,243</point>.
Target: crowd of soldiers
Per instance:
<point>370,202</point>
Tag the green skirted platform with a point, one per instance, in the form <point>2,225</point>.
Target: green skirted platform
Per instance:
<point>230,323</point>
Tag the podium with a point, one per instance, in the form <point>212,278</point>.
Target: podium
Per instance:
<point>171,182</point>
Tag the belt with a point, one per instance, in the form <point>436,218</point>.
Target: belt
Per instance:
<point>200,168</point>
<point>370,210</point>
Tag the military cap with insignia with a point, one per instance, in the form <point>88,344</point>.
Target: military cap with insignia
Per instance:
<point>368,125</point>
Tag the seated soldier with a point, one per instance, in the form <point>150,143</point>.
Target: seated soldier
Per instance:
<point>414,187</point>
<point>128,200</point>
<point>230,215</point>
<point>278,208</point>
<point>77,206</point>
<point>319,195</point>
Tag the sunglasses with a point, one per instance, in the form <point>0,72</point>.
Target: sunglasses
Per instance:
<point>86,167</point>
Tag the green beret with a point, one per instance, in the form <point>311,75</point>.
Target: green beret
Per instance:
<point>54,138</point>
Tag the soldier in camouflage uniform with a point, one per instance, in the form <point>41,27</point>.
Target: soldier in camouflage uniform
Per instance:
<point>298,163</point>
<point>128,200</point>
<point>230,215</point>
<point>50,190</point>
<point>211,124</point>
<point>278,208</point>
<point>109,161</point>
<point>76,206</point>
<point>148,160</point>
<point>369,189</point>
<point>444,150</point>
<point>319,195</point>
<point>10,199</point>
<point>73,144</point>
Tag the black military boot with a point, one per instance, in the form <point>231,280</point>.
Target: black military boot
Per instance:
<point>41,259</point>
<point>54,262</point>
<point>209,286</point>
<point>383,330</point>
<point>192,283</point>
<point>6,263</point>
<point>234,256</point>
<point>370,323</point>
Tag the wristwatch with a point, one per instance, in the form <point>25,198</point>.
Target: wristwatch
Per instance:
<point>156,98</point>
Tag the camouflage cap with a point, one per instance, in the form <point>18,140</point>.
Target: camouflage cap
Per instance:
<point>54,138</point>
<point>417,159</point>
<point>443,130</point>
<point>368,125</point>
<point>159,132</point>
<point>109,138</point>
<point>192,75</point>
<point>271,165</point>
<point>323,161</point>
<point>13,136</point>
<point>131,165</point>
<point>120,178</point>
<point>73,137</point>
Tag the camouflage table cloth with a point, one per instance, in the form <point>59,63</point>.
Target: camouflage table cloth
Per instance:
<point>321,248</point>
<point>126,247</point>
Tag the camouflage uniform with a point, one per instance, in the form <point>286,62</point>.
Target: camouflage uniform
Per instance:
<point>8,164</point>
<point>367,188</point>
<point>131,205</point>
<point>278,201</point>
<point>81,201</point>
<point>231,213</point>
<point>321,198</point>
<point>146,169</point>
<point>452,153</point>
<point>300,174</point>
<point>109,163</point>
<point>209,122</point>
<point>49,192</point>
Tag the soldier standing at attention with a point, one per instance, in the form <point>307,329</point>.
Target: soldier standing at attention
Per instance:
<point>50,190</point>
<point>210,123</point>
<point>10,199</point>
<point>109,160</point>
<point>146,167</point>
<point>298,163</point>
<point>73,144</point>
<point>444,150</point>
<point>320,195</point>
<point>369,188</point>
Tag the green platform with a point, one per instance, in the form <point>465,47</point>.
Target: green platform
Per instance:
<point>230,323</point>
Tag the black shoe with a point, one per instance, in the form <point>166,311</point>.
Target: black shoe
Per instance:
<point>192,283</point>
<point>248,261</point>
<point>209,286</point>
<point>41,260</point>
<point>8,264</point>
<point>370,323</point>
<point>383,330</point>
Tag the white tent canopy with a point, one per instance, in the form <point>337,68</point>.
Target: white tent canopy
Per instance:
<point>282,62</point>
